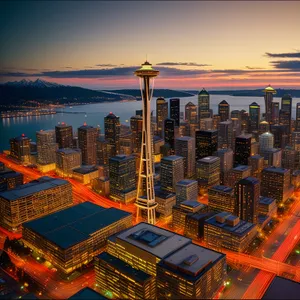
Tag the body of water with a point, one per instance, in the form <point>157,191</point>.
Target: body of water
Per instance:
<point>93,114</point>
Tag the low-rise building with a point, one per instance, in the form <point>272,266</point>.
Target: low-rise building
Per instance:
<point>186,189</point>
<point>221,198</point>
<point>238,173</point>
<point>101,185</point>
<point>267,208</point>
<point>165,202</point>
<point>10,179</point>
<point>85,174</point>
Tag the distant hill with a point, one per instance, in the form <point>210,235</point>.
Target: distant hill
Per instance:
<point>166,93</point>
<point>252,93</point>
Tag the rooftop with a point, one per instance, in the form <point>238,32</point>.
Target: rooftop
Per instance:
<point>185,138</point>
<point>276,170</point>
<point>244,136</point>
<point>163,194</point>
<point>85,126</point>
<point>121,157</point>
<point>35,186</point>
<point>68,151</point>
<point>191,203</point>
<point>203,92</point>
<point>48,131</point>
<point>269,89</point>
<point>63,125</point>
<point>124,268</point>
<point>70,226</point>
<point>249,180</point>
<point>157,241</point>
<point>191,261</point>
<point>254,104</point>
<point>265,200</point>
<point>87,293</point>
<point>85,169</point>
<point>111,116</point>
<point>187,182</point>
<point>172,158</point>
<point>209,159</point>
<point>282,288</point>
<point>241,168</point>
<point>222,188</point>
<point>240,229</point>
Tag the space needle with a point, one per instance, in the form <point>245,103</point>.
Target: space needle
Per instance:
<point>145,199</point>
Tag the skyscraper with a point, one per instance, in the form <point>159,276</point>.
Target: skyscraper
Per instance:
<point>254,117</point>
<point>171,171</point>
<point>185,147</point>
<point>175,110</point>
<point>286,112</point>
<point>186,190</point>
<point>67,159</point>
<point>191,113</point>
<point>275,113</point>
<point>64,135</point>
<point>46,147</point>
<point>206,143</point>
<point>136,126</point>
<point>242,149</point>
<point>170,132</point>
<point>226,162</point>
<point>247,193</point>
<point>20,148</point>
<point>297,127</point>
<point>87,140</point>
<point>161,114</point>
<point>266,141</point>
<point>112,130</point>
<point>224,110</point>
<point>225,135</point>
<point>203,105</point>
<point>145,191</point>
<point>122,172</point>
<point>269,92</point>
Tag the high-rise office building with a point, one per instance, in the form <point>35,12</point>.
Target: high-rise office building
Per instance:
<point>67,159</point>
<point>175,110</point>
<point>289,156</point>
<point>269,92</point>
<point>247,192</point>
<point>226,162</point>
<point>286,112</point>
<point>165,201</point>
<point>191,113</point>
<point>224,110</point>
<point>245,119</point>
<point>87,140</point>
<point>296,140</point>
<point>272,157</point>
<point>122,176</point>
<point>275,113</point>
<point>275,183</point>
<point>64,135</point>
<point>112,130</point>
<point>171,132</point>
<point>256,162</point>
<point>237,174</point>
<point>136,126</point>
<point>203,105</point>
<point>161,114</point>
<point>206,143</point>
<point>264,126</point>
<point>225,135</point>
<point>242,149</point>
<point>10,179</point>
<point>266,141</point>
<point>297,127</point>
<point>208,172</point>
<point>186,190</point>
<point>281,135</point>
<point>46,147</point>
<point>254,117</point>
<point>102,151</point>
<point>171,171</point>
<point>185,147</point>
<point>221,198</point>
<point>20,148</point>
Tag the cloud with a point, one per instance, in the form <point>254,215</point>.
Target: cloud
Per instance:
<point>253,68</point>
<point>68,67</point>
<point>284,55</point>
<point>107,65</point>
<point>293,65</point>
<point>190,64</point>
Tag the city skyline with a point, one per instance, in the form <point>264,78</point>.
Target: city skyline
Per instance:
<point>99,44</point>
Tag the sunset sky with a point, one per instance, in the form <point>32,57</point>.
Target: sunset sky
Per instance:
<point>193,44</point>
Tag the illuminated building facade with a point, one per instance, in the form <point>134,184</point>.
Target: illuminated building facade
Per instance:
<point>221,198</point>
<point>224,110</point>
<point>247,192</point>
<point>225,135</point>
<point>226,162</point>
<point>103,149</point>
<point>275,113</point>
<point>85,174</point>
<point>275,183</point>
<point>237,174</point>
<point>10,179</point>
<point>242,149</point>
<point>170,132</point>
<point>20,148</point>
<point>122,175</point>
<point>191,113</point>
<point>286,112</point>
<point>296,140</point>
<point>33,200</point>
<point>267,208</point>
<point>186,189</point>
<point>185,147</point>
<point>122,281</point>
<point>203,105</point>
<point>297,127</point>
<point>281,136</point>
<point>112,131</point>
<point>67,159</point>
<point>136,126</point>
<point>206,143</point>
<point>64,135</point>
<point>206,124</point>
<point>208,172</point>
<point>101,186</point>
<point>273,157</point>
<point>72,237</point>
<point>269,92</point>
<point>165,201</point>
<point>266,141</point>
<point>46,147</point>
<point>87,140</point>
<point>264,127</point>
<point>254,117</point>
<point>171,171</point>
<point>161,114</point>
<point>225,230</point>
<point>175,110</point>
<point>256,162</point>
<point>192,272</point>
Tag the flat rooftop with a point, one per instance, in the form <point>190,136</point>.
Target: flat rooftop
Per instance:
<point>75,224</point>
<point>222,188</point>
<point>157,241</point>
<point>249,180</point>
<point>265,200</point>
<point>240,229</point>
<point>208,159</point>
<point>85,169</point>
<point>187,182</point>
<point>241,168</point>
<point>244,136</point>
<point>35,186</point>
<point>68,151</point>
<point>185,138</point>
<point>124,268</point>
<point>191,203</point>
<point>163,194</point>
<point>276,170</point>
<point>87,293</point>
<point>282,288</point>
<point>121,157</point>
<point>171,158</point>
<point>191,261</point>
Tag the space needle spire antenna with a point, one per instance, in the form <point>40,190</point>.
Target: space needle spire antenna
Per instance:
<point>145,199</point>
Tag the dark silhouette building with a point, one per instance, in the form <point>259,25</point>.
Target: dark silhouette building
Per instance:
<point>206,143</point>
<point>175,110</point>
